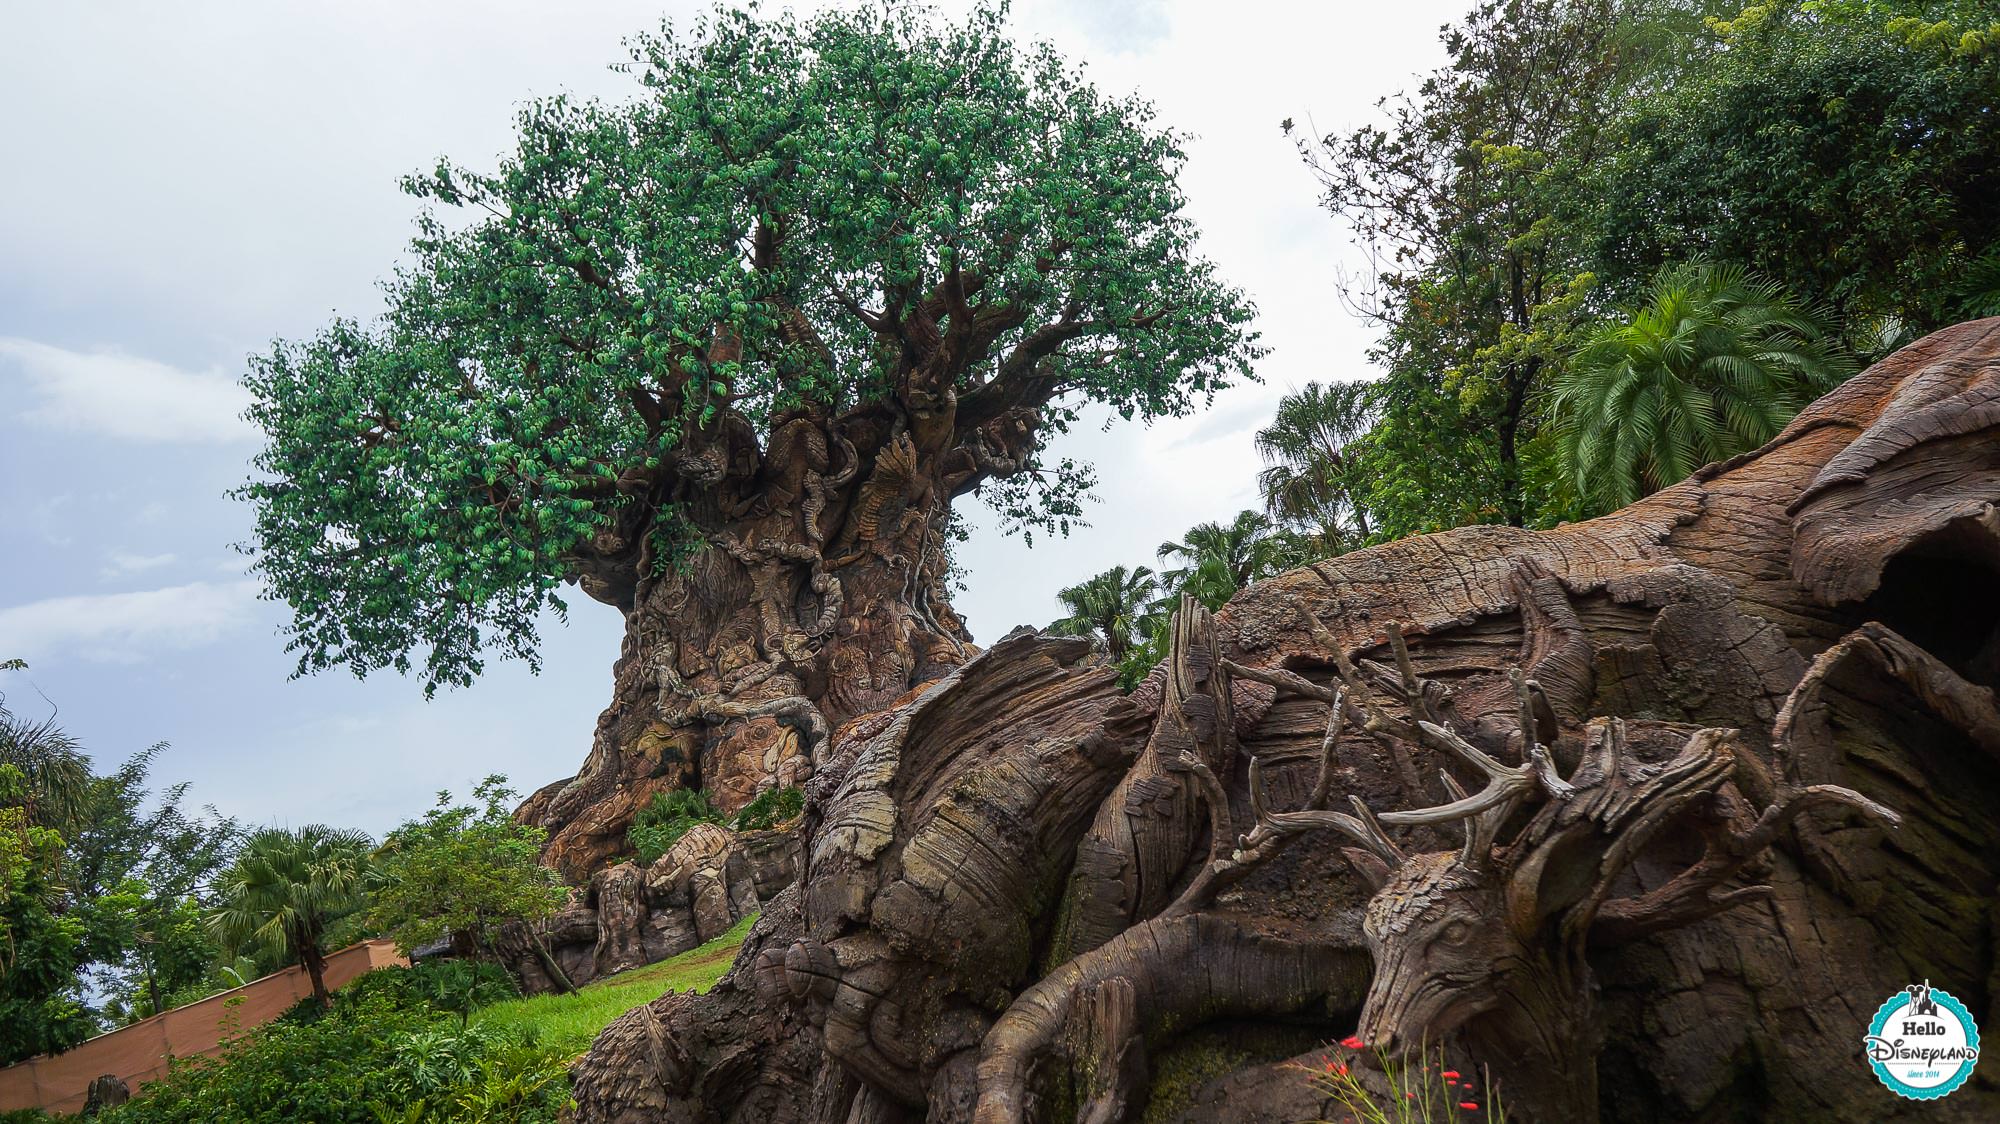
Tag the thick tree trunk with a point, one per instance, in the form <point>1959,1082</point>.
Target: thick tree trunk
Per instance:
<point>821,597</point>
<point>1023,896</point>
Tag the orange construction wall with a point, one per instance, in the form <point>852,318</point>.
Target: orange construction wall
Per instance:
<point>139,1053</point>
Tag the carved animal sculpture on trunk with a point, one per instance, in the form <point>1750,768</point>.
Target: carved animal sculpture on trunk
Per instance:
<point>1492,937</point>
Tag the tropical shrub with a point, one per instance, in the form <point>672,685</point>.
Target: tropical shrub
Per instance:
<point>457,987</point>
<point>771,807</point>
<point>380,1054</point>
<point>1712,364</point>
<point>327,1071</point>
<point>672,814</point>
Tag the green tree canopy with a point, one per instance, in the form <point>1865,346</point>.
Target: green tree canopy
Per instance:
<point>1844,147</point>
<point>463,868</point>
<point>1217,559</point>
<point>42,943</point>
<point>287,888</point>
<point>1113,605</point>
<point>864,213</point>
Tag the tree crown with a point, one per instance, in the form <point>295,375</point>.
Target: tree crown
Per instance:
<point>869,219</point>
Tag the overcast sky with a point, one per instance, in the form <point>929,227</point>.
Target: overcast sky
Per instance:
<point>180,183</point>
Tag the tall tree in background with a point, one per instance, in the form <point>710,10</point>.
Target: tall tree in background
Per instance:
<point>1847,148</point>
<point>285,891</point>
<point>1315,477</point>
<point>121,874</point>
<point>1467,199</point>
<point>55,781</point>
<point>144,851</point>
<point>1713,364</point>
<point>1113,605</point>
<point>465,869</point>
<point>723,357</point>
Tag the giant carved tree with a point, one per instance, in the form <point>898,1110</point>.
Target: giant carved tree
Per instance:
<point>723,356</point>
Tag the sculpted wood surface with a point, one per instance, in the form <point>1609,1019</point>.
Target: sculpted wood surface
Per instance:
<point>1648,814</point>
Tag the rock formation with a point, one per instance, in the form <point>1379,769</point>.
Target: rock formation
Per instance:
<point>628,915</point>
<point>1646,814</point>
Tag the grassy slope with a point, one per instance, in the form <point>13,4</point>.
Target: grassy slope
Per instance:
<point>570,1023</point>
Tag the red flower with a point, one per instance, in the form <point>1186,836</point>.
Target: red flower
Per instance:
<point>1410,1096</point>
<point>1468,1104</point>
<point>1352,1042</point>
<point>1451,1073</point>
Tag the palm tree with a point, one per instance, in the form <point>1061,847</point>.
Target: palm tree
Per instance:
<point>1313,476</point>
<point>55,773</point>
<point>1112,605</point>
<point>1217,560</point>
<point>1712,364</point>
<point>286,889</point>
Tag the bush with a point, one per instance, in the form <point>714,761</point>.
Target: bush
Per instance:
<point>381,1055</point>
<point>772,807</point>
<point>457,987</point>
<point>672,814</point>
<point>474,1075</point>
<point>328,1071</point>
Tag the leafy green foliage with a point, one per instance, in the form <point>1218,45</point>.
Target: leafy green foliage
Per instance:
<point>462,868</point>
<point>1519,200</point>
<point>370,1058</point>
<point>55,774</point>
<point>1468,200</point>
<point>287,889</point>
<point>473,1075</point>
<point>41,944</point>
<point>146,863</point>
<point>326,1070</point>
<point>670,815</point>
<point>770,808</point>
<point>1218,559</point>
<point>1132,609</point>
<point>457,987</point>
<point>1713,364</point>
<point>673,813</point>
<point>778,224</point>
<point>112,894</point>
<point>1844,149</point>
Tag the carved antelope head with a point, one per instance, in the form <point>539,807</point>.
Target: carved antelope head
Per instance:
<point>1499,929</point>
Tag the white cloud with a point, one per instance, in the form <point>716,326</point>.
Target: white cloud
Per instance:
<point>128,627</point>
<point>124,563</point>
<point>125,396</point>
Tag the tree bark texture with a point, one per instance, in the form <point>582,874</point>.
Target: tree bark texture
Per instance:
<point>1726,764</point>
<point>821,597</point>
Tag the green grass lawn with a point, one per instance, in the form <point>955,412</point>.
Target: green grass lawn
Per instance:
<point>571,1022</point>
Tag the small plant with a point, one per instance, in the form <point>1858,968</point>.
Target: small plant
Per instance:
<point>672,814</point>
<point>772,807</point>
<point>1431,1092</point>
